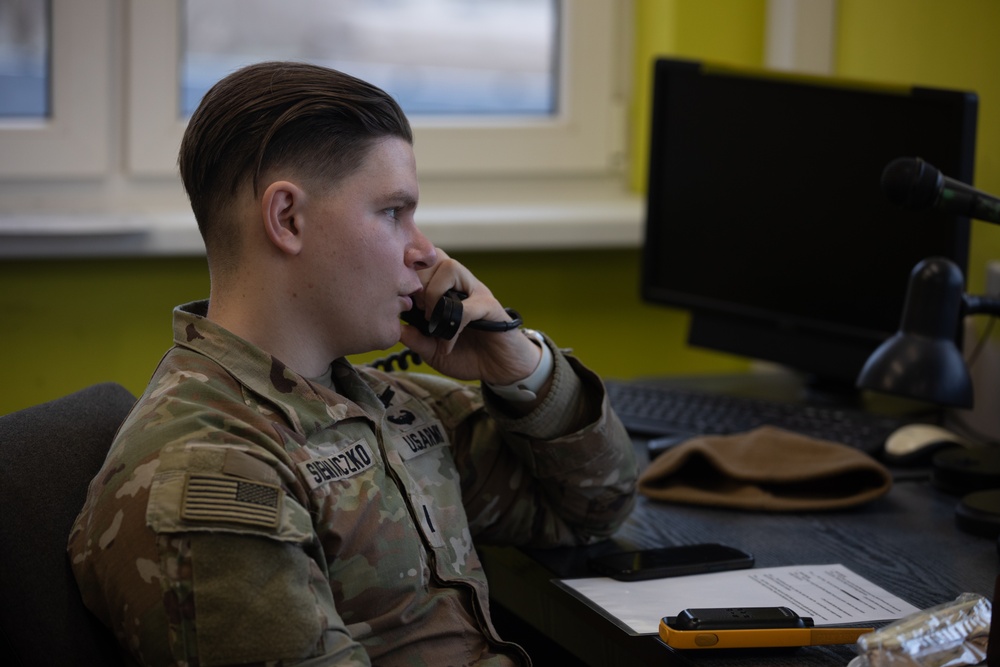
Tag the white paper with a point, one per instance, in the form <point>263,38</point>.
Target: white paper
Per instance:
<point>829,594</point>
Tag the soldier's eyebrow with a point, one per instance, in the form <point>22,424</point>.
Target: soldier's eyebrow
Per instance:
<point>399,198</point>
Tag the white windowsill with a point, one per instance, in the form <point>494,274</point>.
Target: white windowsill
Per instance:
<point>606,222</point>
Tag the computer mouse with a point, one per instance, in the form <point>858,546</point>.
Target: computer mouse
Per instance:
<point>916,444</point>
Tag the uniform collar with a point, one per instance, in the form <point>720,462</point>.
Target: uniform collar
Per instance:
<point>306,405</point>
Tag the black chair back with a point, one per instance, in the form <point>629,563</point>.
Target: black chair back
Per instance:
<point>48,455</point>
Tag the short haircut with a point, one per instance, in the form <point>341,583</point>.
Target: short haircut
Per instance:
<point>319,122</point>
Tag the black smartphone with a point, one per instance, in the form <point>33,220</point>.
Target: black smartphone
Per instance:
<point>671,562</point>
<point>445,318</point>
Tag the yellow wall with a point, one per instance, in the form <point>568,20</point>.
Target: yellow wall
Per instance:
<point>67,324</point>
<point>947,44</point>
<point>728,31</point>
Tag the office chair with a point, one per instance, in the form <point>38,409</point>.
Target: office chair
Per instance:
<point>48,455</point>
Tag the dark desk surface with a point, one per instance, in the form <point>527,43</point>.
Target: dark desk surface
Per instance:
<point>907,542</point>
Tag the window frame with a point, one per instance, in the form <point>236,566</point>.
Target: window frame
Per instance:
<point>578,140</point>
<point>74,141</point>
<point>112,199</point>
<point>801,36</point>
<point>68,187</point>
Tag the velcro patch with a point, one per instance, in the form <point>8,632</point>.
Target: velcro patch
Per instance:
<point>217,498</point>
<point>418,440</point>
<point>348,462</point>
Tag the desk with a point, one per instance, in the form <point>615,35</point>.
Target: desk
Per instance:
<point>906,542</point>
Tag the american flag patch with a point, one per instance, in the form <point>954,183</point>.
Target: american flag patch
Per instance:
<point>231,500</point>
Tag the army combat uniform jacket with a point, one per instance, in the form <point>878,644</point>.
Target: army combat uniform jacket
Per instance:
<point>246,514</point>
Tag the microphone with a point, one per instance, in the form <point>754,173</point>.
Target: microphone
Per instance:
<point>913,183</point>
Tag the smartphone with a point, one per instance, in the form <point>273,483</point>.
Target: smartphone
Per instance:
<point>671,562</point>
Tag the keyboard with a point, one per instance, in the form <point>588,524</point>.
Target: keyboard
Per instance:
<point>672,414</point>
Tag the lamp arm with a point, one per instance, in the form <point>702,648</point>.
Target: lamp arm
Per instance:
<point>980,305</point>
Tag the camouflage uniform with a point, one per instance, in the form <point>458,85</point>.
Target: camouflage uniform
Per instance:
<point>246,514</point>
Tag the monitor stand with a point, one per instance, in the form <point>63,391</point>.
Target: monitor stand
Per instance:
<point>828,364</point>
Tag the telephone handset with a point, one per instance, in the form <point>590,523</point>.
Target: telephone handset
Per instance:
<point>447,317</point>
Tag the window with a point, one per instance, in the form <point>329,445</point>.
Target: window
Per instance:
<point>66,133</point>
<point>567,109</point>
<point>438,58</point>
<point>24,59</point>
<point>97,175</point>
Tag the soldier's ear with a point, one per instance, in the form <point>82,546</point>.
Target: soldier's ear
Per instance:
<point>282,209</point>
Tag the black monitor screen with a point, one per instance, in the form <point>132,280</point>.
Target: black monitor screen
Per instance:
<point>765,214</point>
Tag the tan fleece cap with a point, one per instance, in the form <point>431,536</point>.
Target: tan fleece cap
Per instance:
<point>766,469</point>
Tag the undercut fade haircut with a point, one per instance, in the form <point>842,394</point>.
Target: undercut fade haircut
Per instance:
<point>317,121</point>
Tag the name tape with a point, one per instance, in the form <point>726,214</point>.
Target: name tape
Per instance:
<point>348,462</point>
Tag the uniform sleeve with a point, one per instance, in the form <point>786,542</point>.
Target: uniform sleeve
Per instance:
<point>564,474</point>
<point>240,565</point>
<point>201,555</point>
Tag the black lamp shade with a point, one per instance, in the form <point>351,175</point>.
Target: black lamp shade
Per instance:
<point>921,368</point>
<point>922,360</point>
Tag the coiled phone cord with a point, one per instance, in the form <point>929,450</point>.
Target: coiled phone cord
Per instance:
<point>402,359</point>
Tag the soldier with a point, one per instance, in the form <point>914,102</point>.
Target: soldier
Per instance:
<point>268,502</point>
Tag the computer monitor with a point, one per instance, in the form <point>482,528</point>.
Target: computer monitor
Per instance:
<point>766,218</point>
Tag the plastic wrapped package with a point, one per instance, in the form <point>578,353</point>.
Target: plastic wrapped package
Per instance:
<point>952,634</point>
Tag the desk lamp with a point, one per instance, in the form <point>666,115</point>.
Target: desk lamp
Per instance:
<point>922,360</point>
